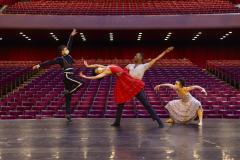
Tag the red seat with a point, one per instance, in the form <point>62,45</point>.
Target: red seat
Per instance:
<point>112,7</point>
<point>43,96</point>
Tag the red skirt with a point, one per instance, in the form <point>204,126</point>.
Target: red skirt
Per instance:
<point>126,87</point>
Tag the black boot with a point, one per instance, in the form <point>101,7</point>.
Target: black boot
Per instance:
<point>68,108</point>
<point>155,117</point>
<point>118,116</point>
<point>160,124</point>
<point>69,118</point>
<point>115,124</point>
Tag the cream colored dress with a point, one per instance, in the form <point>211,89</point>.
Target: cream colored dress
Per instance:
<point>184,109</point>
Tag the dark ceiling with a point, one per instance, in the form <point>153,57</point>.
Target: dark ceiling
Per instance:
<point>121,36</point>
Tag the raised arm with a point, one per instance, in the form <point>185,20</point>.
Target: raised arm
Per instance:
<point>190,88</point>
<point>92,65</point>
<point>153,61</point>
<point>70,40</point>
<point>99,76</point>
<point>157,88</point>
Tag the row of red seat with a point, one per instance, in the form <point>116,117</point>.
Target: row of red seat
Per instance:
<point>228,70</point>
<point>8,2</point>
<point>43,96</point>
<point>124,7</point>
<point>12,73</point>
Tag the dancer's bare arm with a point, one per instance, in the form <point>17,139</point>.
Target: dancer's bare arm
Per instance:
<point>153,61</point>
<point>190,88</point>
<point>157,88</point>
<point>99,76</point>
<point>92,65</point>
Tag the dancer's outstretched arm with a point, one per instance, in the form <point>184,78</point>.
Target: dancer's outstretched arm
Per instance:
<point>70,40</point>
<point>190,88</point>
<point>92,65</point>
<point>153,61</point>
<point>48,63</point>
<point>99,76</point>
<point>57,60</point>
<point>157,88</point>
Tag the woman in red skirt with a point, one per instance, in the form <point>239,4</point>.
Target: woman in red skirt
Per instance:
<point>126,88</point>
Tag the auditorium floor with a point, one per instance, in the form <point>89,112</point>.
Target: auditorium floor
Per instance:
<point>139,139</point>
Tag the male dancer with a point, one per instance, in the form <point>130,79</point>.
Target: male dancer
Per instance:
<point>137,71</point>
<point>71,84</point>
<point>125,89</point>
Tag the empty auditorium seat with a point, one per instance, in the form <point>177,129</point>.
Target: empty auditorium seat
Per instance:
<point>122,7</point>
<point>227,70</point>
<point>43,96</point>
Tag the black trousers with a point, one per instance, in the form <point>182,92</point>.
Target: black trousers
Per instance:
<point>142,98</point>
<point>71,85</point>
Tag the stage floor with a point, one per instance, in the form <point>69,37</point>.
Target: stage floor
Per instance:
<point>140,139</point>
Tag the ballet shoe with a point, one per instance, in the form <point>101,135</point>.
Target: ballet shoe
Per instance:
<point>69,118</point>
<point>115,125</point>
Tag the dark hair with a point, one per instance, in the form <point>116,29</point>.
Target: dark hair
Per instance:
<point>142,54</point>
<point>61,48</point>
<point>182,82</point>
<point>95,74</point>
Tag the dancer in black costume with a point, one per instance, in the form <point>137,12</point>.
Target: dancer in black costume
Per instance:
<point>71,83</point>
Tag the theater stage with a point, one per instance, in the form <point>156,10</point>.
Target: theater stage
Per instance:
<point>140,139</point>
